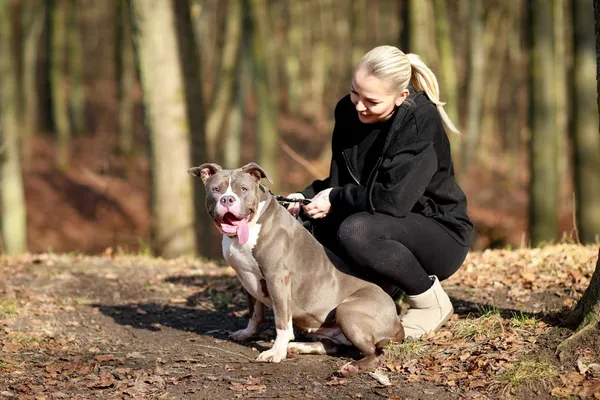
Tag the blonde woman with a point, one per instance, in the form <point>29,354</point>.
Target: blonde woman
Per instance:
<point>391,206</point>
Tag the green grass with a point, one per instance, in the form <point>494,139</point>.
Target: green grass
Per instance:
<point>528,372</point>
<point>221,300</point>
<point>523,320</point>
<point>489,324</point>
<point>19,337</point>
<point>410,348</point>
<point>8,308</point>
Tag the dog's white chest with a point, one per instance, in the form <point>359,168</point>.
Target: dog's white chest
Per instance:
<point>240,257</point>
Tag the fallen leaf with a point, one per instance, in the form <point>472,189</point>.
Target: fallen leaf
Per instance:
<point>562,391</point>
<point>12,347</point>
<point>106,380</point>
<point>335,381</point>
<point>135,354</point>
<point>381,378</point>
<point>590,388</point>
<point>105,357</point>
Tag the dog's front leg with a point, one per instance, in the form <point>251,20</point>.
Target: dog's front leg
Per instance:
<point>257,315</point>
<point>280,295</point>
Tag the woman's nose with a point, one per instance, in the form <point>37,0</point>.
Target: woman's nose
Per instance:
<point>360,107</point>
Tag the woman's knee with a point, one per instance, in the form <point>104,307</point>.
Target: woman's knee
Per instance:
<point>355,233</point>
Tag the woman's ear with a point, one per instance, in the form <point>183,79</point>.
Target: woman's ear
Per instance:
<point>403,95</point>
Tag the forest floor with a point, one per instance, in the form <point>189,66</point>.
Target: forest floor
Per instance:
<point>118,326</point>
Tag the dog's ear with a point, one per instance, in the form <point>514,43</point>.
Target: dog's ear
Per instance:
<point>256,171</point>
<point>205,171</point>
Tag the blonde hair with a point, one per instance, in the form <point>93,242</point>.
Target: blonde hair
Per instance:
<point>391,65</point>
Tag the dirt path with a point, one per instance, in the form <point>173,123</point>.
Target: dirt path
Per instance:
<point>133,327</point>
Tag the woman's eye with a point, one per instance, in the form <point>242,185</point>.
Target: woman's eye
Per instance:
<point>215,189</point>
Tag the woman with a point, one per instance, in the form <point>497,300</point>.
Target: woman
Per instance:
<point>391,205</point>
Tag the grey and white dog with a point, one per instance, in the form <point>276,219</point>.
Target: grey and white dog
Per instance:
<point>281,265</point>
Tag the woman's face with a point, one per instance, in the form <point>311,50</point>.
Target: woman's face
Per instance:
<point>374,100</point>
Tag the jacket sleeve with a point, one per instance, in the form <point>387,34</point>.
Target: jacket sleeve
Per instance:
<point>401,179</point>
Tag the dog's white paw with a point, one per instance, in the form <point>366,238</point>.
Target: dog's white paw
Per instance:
<point>272,355</point>
<point>242,334</point>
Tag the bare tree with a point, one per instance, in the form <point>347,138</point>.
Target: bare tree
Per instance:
<point>59,10</point>
<point>163,84</point>
<point>585,119</point>
<point>12,199</point>
<point>543,186</point>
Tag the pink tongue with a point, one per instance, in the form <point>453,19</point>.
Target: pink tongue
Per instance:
<point>242,231</point>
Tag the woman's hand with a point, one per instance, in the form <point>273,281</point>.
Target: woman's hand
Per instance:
<point>294,208</point>
<point>319,206</point>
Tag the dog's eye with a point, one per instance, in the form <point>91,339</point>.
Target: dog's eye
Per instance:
<point>215,189</point>
<point>244,189</point>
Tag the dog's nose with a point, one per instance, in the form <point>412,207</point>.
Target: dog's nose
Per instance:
<point>227,200</point>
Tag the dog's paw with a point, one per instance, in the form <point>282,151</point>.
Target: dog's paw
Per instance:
<point>242,334</point>
<point>347,369</point>
<point>272,355</point>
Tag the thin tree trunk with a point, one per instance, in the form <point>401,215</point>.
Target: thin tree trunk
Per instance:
<point>359,45</point>
<point>163,86</point>
<point>543,201</point>
<point>59,81</point>
<point>561,93</point>
<point>190,62</point>
<point>75,70</point>
<point>12,198</point>
<point>447,64</point>
<point>127,79</point>
<point>516,85</point>
<point>320,61</point>
<point>33,25</point>
<point>232,148</point>
<point>586,314</point>
<point>267,140</point>
<point>496,42</point>
<point>476,82</point>
<point>225,88</point>
<point>292,60</point>
<point>585,119</point>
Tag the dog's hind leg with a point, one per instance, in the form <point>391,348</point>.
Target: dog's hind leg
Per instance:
<point>369,324</point>
<point>322,347</point>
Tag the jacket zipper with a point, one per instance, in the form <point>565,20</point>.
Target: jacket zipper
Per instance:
<point>350,169</point>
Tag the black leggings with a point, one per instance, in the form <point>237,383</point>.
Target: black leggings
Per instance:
<point>398,251</point>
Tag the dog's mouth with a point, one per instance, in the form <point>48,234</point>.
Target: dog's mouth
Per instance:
<point>230,224</point>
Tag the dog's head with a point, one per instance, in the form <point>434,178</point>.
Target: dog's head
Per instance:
<point>232,196</point>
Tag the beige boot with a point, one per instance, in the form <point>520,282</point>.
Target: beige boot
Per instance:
<point>428,311</point>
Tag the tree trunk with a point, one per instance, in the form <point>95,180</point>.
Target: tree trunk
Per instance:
<point>543,186</point>
<point>224,90</point>
<point>12,199</point>
<point>59,81</point>
<point>476,82</point>
<point>447,67</point>
<point>75,70</point>
<point>127,79</point>
<point>586,315</point>
<point>189,60</point>
<point>585,120</point>
<point>164,93</point>
<point>292,60</point>
<point>587,311</point>
<point>267,138</point>
<point>34,15</point>
<point>232,146</point>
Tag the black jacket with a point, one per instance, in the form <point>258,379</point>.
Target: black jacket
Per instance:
<point>404,167</point>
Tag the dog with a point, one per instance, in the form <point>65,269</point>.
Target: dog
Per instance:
<point>281,265</point>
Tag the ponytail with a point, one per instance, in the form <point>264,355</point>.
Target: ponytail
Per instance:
<point>423,78</point>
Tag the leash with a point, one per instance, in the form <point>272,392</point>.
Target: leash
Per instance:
<point>282,199</point>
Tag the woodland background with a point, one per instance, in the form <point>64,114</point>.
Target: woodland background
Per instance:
<point>106,104</point>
